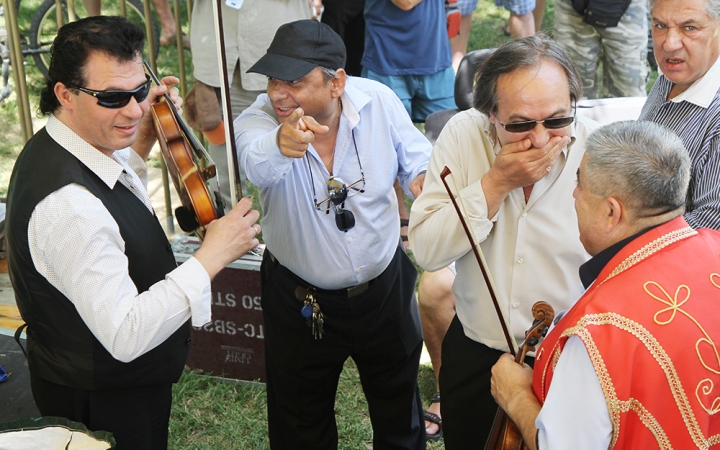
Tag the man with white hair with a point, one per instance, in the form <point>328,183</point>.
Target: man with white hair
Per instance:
<point>686,97</point>
<point>633,363</point>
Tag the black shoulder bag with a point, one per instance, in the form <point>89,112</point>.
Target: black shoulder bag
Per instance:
<point>601,13</point>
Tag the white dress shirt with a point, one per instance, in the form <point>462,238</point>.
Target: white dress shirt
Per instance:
<point>374,128</point>
<point>533,250</point>
<point>76,245</point>
<point>575,415</point>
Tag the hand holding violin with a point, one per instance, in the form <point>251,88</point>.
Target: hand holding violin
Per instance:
<point>229,237</point>
<point>511,386</point>
<point>146,136</point>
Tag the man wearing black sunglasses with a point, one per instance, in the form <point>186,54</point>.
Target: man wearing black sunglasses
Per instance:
<point>513,159</point>
<point>324,150</point>
<point>108,310</point>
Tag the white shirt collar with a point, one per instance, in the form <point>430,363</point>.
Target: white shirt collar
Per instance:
<point>107,169</point>
<point>353,100</point>
<point>702,91</point>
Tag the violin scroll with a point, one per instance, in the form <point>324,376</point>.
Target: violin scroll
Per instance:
<point>543,315</point>
<point>504,434</point>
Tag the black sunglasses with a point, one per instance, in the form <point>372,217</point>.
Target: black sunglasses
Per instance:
<point>337,194</point>
<point>114,99</point>
<point>552,123</point>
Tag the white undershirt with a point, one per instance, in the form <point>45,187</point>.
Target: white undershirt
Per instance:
<point>575,414</point>
<point>76,245</point>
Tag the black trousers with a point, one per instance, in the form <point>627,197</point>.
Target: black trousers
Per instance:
<point>468,409</point>
<point>379,329</point>
<point>137,417</point>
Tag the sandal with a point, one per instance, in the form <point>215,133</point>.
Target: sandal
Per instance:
<point>404,237</point>
<point>434,418</point>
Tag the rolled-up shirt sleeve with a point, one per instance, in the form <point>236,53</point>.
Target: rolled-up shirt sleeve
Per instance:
<point>256,138</point>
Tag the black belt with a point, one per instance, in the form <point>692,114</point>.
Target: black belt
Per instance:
<point>352,291</point>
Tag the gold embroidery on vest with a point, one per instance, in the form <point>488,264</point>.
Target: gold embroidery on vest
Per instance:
<point>664,361</point>
<point>652,247</point>
<point>712,280</point>
<point>682,295</point>
<point>648,420</point>
<point>606,383</point>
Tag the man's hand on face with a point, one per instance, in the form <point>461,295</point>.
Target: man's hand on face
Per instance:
<point>297,132</point>
<point>518,164</point>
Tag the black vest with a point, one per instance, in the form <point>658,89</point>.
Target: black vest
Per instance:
<point>61,348</point>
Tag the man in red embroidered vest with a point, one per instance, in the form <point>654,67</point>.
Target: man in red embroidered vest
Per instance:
<point>633,364</point>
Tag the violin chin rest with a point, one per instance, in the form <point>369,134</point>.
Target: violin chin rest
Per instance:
<point>186,219</point>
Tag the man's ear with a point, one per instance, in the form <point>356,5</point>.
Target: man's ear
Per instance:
<point>338,83</point>
<point>615,214</point>
<point>64,95</point>
<point>493,118</point>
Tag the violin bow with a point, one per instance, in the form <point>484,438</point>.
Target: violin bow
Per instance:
<point>478,255</point>
<point>234,175</point>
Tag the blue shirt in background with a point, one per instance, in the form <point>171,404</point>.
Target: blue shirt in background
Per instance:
<point>401,42</point>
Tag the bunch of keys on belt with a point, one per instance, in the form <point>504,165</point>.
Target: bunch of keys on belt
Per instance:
<point>311,311</point>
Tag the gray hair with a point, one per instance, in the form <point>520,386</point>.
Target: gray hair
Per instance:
<point>642,163</point>
<point>712,8</point>
<point>329,74</point>
<point>515,55</point>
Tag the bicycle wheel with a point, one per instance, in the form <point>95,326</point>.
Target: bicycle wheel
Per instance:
<point>43,27</point>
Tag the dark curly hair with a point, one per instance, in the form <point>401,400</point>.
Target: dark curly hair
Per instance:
<point>114,36</point>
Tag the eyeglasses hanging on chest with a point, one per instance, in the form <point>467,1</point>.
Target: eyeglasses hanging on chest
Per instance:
<point>338,193</point>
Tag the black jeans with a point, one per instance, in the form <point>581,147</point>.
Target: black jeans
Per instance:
<point>468,409</point>
<point>379,329</point>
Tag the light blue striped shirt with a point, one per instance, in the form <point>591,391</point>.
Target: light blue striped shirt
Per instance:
<point>694,116</point>
<point>306,240</point>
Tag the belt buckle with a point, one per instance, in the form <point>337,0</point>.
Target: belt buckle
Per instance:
<point>357,290</point>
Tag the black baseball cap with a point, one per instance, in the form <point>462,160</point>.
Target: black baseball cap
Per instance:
<point>299,47</point>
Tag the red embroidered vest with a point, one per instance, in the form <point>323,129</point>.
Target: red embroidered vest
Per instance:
<point>649,324</point>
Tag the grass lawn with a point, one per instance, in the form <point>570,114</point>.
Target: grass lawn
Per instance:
<point>213,414</point>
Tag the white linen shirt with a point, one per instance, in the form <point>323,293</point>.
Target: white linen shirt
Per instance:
<point>533,250</point>
<point>76,245</point>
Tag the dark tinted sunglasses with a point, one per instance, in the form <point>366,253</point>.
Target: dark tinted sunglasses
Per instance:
<point>552,123</point>
<point>337,194</point>
<point>114,99</point>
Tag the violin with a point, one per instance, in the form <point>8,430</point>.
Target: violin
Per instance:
<point>189,166</point>
<point>504,434</point>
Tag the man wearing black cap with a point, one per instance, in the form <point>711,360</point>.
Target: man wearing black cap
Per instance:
<point>324,150</point>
